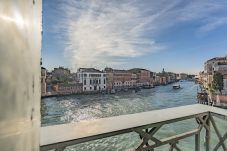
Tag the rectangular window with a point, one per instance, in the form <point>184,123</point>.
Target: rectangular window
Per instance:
<point>84,82</point>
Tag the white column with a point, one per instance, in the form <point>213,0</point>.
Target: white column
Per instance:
<point>20,45</point>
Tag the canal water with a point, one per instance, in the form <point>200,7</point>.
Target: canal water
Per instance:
<point>70,109</point>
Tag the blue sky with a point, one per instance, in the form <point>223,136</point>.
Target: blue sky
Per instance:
<point>176,35</point>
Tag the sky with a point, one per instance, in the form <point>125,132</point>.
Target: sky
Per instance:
<point>177,35</point>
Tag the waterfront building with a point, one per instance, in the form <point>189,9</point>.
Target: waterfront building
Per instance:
<point>73,77</point>
<point>92,79</point>
<point>172,77</point>
<point>143,77</point>
<point>59,76</point>
<point>60,73</point>
<point>212,66</point>
<point>225,83</point>
<point>49,78</point>
<point>65,88</point>
<point>209,64</point>
<point>156,79</point>
<point>119,79</point>
<point>109,80</point>
<point>43,81</point>
<point>164,77</point>
<point>134,76</point>
<point>183,76</point>
<point>152,79</point>
<point>201,77</point>
<point>163,80</point>
<point>220,67</point>
<point>217,64</point>
<point>178,77</point>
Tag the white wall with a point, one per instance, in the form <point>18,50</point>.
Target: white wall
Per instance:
<point>87,86</point>
<point>220,67</point>
<point>225,84</point>
<point>20,45</point>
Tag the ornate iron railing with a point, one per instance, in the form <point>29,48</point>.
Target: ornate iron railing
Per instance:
<point>146,125</point>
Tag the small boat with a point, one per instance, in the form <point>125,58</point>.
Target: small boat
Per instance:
<point>176,86</point>
<point>148,86</point>
<point>113,91</point>
<point>137,89</point>
<point>125,89</point>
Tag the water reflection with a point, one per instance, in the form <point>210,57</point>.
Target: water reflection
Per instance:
<point>70,109</point>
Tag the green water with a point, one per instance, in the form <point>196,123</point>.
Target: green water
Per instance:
<point>59,110</point>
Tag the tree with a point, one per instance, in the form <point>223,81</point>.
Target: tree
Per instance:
<point>210,88</point>
<point>217,83</point>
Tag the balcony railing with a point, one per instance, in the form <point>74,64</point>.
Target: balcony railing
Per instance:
<point>145,124</point>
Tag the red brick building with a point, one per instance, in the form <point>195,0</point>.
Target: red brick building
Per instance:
<point>118,79</point>
<point>144,77</point>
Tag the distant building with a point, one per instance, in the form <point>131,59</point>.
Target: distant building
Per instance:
<point>118,79</point>
<point>144,77</point>
<point>163,80</point>
<point>156,79</point>
<point>172,77</point>
<point>163,77</point>
<point>92,79</point>
<point>183,76</point>
<point>134,76</point>
<point>225,82</point>
<point>209,64</point>
<point>74,77</point>
<point>43,81</point>
<point>220,67</point>
<point>60,72</point>
<point>217,64</point>
<point>64,89</point>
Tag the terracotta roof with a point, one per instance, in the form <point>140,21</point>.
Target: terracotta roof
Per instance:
<point>137,70</point>
<point>89,70</point>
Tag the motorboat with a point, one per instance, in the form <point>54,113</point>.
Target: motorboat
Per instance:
<point>176,86</point>
<point>113,91</point>
<point>149,86</point>
<point>137,89</point>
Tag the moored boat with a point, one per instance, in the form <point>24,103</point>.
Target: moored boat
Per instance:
<point>113,91</point>
<point>176,87</point>
<point>149,86</point>
<point>137,89</point>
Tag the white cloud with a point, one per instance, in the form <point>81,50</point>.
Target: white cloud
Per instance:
<point>197,9</point>
<point>101,32</point>
<point>104,33</point>
<point>213,24</point>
